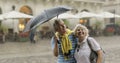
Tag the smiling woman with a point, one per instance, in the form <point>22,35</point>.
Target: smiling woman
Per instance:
<point>80,30</point>
<point>83,51</point>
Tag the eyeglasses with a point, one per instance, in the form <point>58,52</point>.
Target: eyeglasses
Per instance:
<point>78,47</point>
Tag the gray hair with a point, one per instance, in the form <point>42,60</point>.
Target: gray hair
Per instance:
<point>83,27</point>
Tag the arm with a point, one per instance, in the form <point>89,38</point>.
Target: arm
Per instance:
<point>99,60</point>
<point>55,50</point>
<point>54,46</point>
<point>96,47</point>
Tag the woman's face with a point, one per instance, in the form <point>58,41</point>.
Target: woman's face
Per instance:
<point>80,32</point>
<point>61,28</point>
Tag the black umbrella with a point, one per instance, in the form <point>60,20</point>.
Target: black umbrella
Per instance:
<point>45,16</point>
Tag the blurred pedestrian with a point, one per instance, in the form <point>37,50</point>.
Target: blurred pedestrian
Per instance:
<point>31,36</point>
<point>2,39</point>
<point>36,37</point>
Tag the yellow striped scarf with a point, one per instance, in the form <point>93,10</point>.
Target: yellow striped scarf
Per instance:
<point>66,44</point>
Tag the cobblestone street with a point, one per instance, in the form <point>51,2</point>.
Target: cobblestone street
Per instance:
<point>40,52</point>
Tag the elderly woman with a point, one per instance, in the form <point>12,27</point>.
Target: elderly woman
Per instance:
<point>83,50</point>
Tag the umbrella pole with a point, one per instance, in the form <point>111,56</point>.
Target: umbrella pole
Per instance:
<point>13,26</point>
<point>13,30</point>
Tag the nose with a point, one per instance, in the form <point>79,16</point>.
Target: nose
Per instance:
<point>79,32</point>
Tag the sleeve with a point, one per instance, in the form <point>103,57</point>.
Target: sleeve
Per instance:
<point>52,43</point>
<point>94,44</point>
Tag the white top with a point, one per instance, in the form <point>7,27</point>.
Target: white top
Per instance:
<point>82,56</point>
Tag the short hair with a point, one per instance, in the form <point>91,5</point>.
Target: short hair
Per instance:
<point>81,26</point>
<point>56,24</point>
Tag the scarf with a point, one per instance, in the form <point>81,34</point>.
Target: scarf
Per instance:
<point>66,44</point>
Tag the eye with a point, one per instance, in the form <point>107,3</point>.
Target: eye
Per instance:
<point>78,30</point>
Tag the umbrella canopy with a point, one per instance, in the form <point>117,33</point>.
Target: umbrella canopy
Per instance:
<point>15,15</point>
<point>45,16</point>
<point>65,16</point>
<point>108,15</point>
<point>85,14</point>
<point>1,17</point>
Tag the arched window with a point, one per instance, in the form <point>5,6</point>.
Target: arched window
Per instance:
<point>85,21</point>
<point>85,10</point>
<point>22,22</point>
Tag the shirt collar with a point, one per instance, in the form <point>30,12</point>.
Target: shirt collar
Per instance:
<point>85,40</point>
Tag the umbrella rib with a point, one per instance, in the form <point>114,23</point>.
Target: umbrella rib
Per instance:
<point>46,13</point>
<point>57,16</point>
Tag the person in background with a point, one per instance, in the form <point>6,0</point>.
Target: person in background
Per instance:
<point>1,36</point>
<point>82,51</point>
<point>36,37</point>
<point>31,36</point>
<point>63,48</point>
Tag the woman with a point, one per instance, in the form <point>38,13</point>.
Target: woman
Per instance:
<point>82,52</point>
<point>62,46</point>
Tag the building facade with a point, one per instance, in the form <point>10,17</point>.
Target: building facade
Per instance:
<point>35,7</point>
<point>112,6</point>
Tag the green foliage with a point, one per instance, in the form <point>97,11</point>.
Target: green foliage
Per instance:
<point>4,29</point>
<point>97,24</point>
<point>118,23</point>
<point>66,22</point>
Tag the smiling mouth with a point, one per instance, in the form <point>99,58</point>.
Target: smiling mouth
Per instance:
<point>81,33</point>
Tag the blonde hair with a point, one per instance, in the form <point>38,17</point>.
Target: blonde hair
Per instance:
<point>81,26</point>
<point>56,24</point>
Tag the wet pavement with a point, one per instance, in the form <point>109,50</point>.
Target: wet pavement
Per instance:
<point>40,52</point>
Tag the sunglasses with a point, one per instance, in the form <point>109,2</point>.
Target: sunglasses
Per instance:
<point>78,47</point>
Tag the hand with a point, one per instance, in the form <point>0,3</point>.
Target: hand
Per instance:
<point>56,36</point>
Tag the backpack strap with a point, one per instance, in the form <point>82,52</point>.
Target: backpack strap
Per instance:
<point>94,52</point>
<point>88,41</point>
<point>90,46</point>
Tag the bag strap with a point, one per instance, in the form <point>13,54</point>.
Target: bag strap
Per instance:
<point>88,41</point>
<point>90,46</point>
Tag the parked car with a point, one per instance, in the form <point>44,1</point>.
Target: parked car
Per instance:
<point>112,28</point>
